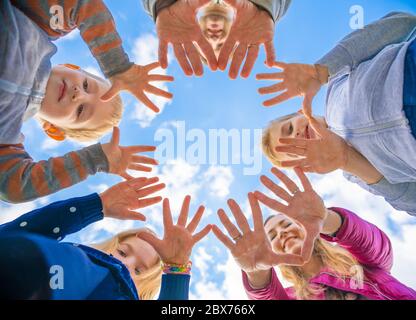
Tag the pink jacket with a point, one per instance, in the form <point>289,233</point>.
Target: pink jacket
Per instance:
<point>373,250</point>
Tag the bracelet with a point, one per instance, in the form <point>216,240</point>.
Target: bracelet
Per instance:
<point>170,268</point>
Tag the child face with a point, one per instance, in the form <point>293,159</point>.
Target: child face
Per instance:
<point>284,235</point>
<point>72,100</point>
<point>295,127</point>
<point>136,254</point>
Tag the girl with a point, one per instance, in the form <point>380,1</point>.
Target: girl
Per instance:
<point>326,254</point>
<point>370,112</point>
<point>36,265</point>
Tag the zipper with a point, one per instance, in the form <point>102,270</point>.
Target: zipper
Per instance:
<point>386,125</point>
<point>364,281</point>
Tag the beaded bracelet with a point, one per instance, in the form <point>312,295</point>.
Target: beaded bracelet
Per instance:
<point>170,268</point>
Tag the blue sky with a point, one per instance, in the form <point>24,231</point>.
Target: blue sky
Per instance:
<point>308,31</point>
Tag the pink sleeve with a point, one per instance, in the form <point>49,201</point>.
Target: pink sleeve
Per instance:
<point>274,291</point>
<point>367,243</point>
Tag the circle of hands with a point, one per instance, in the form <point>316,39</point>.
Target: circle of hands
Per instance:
<point>252,27</point>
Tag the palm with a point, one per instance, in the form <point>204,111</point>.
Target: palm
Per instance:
<point>177,244</point>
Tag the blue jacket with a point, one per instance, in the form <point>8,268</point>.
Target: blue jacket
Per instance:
<point>365,104</point>
<point>30,246</point>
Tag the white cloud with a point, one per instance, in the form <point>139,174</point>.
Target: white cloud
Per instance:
<point>144,52</point>
<point>219,180</point>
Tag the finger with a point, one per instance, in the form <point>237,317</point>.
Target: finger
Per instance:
<point>300,143</point>
<point>307,106</point>
<point>270,53</point>
<point>147,102</point>
<point>163,54</point>
<point>292,150</point>
<point>137,184</point>
<point>208,52</point>
<point>229,226</point>
<point>253,53</point>
<point>308,245</point>
<point>294,163</point>
<point>318,127</point>
<point>138,167</point>
<point>143,203</point>
<point>303,179</point>
<point>131,215</point>
<point>195,220</point>
<point>145,160</point>
<point>150,190</point>
<point>158,92</point>
<point>160,77</point>
<point>225,53</point>
<point>151,239</point>
<point>149,67</point>
<point>239,216</point>
<point>270,76</point>
<point>126,176</point>
<point>272,89</point>
<point>167,215</point>
<point>115,138</point>
<point>138,149</point>
<point>237,60</point>
<point>280,64</point>
<point>257,215</point>
<point>279,99</point>
<point>290,185</point>
<point>194,58</point>
<point>222,237</point>
<point>182,60</point>
<point>201,234</point>
<point>278,191</point>
<point>183,216</point>
<point>111,93</point>
<point>269,202</point>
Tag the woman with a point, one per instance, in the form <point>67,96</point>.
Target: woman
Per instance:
<point>324,253</point>
<point>36,265</point>
<point>370,111</point>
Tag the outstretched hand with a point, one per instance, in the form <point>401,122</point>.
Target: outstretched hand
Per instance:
<point>251,249</point>
<point>177,24</point>
<point>137,80</point>
<point>303,207</point>
<point>324,154</point>
<point>178,240</point>
<point>121,159</point>
<point>251,28</point>
<point>120,200</point>
<point>296,80</point>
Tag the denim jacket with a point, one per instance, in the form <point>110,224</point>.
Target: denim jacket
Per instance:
<point>364,104</point>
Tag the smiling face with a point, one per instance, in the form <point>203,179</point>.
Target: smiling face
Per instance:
<point>285,236</point>
<point>136,254</point>
<point>72,100</point>
<point>295,126</point>
<point>215,23</point>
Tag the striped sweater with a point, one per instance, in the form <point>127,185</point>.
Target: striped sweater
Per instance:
<point>22,179</point>
<point>94,21</point>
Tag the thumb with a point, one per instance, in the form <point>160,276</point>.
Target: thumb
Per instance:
<point>111,93</point>
<point>151,239</point>
<point>286,259</point>
<point>318,127</point>
<point>307,105</point>
<point>115,137</point>
<point>132,215</point>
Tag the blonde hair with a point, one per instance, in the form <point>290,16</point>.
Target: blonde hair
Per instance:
<point>147,283</point>
<point>266,143</point>
<point>333,257</point>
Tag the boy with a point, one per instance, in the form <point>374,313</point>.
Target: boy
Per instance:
<point>68,101</point>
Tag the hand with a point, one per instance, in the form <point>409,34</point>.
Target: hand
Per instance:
<point>121,159</point>
<point>119,200</point>
<point>136,81</point>
<point>303,207</point>
<point>178,240</point>
<point>251,249</point>
<point>251,28</point>
<point>322,155</point>
<point>298,80</point>
<point>177,24</point>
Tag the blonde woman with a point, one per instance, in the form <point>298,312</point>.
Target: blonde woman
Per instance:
<point>326,254</point>
<point>36,265</point>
